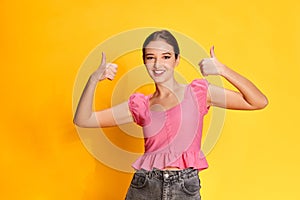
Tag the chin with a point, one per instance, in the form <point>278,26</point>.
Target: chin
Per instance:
<point>159,80</point>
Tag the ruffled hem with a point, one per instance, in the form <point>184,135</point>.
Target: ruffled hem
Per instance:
<point>184,160</point>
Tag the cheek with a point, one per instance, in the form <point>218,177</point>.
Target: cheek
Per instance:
<point>171,64</point>
<point>148,67</point>
<point>149,64</point>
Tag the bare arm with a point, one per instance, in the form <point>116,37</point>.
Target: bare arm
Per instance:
<point>85,116</point>
<point>248,97</point>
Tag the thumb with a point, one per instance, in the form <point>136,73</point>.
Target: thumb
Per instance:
<point>103,61</point>
<point>212,52</point>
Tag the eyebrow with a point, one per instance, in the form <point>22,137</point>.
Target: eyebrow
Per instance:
<point>166,53</point>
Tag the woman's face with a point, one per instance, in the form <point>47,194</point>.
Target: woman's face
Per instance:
<point>160,61</point>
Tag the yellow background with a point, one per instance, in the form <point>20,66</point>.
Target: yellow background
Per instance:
<point>43,44</point>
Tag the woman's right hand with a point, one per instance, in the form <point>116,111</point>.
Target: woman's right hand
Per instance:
<point>105,70</point>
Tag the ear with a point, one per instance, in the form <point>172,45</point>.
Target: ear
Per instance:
<point>177,60</point>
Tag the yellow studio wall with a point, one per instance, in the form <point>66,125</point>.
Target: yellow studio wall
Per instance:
<point>44,43</point>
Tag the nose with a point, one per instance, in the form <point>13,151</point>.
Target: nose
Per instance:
<point>157,63</point>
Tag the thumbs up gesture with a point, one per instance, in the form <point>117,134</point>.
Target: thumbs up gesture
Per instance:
<point>105,70</point>
<point>211,66</point>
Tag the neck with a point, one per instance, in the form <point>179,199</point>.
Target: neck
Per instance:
<point>166,88</point>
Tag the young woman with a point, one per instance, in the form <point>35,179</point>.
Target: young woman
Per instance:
<point>171,118</point>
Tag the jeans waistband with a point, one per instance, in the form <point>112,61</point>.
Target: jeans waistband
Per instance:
<point>170,175</point>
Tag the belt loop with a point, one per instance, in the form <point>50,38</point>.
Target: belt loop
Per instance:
<point>149,174</point>
<point>180,174</point>
<point>156,172</point>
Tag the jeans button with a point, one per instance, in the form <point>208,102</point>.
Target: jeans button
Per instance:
<point>166,175</point>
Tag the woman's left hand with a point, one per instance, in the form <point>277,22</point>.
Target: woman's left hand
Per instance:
<point>211,66</point>
<point>248,96</point>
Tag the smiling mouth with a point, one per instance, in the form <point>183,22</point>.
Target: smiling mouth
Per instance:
<point>158,72</point>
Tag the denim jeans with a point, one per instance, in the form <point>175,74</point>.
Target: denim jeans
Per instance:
<point>165,185</point>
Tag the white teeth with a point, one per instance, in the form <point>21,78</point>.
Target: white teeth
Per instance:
<point>159,71</point>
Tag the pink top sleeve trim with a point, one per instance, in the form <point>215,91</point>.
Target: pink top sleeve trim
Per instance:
<point>200,89</point>
<point>138,106</point>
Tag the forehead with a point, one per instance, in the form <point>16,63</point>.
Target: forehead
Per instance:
<point>159,45</point>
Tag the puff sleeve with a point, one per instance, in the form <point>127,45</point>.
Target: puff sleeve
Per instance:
<point>200,89</point>
<point>138,106</point>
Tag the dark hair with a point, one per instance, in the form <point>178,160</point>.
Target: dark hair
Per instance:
<point>165,36</point>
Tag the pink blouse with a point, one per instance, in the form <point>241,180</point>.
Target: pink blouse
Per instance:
<point>172,137</point>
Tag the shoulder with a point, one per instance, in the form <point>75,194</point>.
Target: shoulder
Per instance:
<point>199,88</point>
<point>139,107</point>
<point>199,85</point>
<point>137,98</point>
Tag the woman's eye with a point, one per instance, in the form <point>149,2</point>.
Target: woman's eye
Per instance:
<point>149,58</point>
<point>167,57</point>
